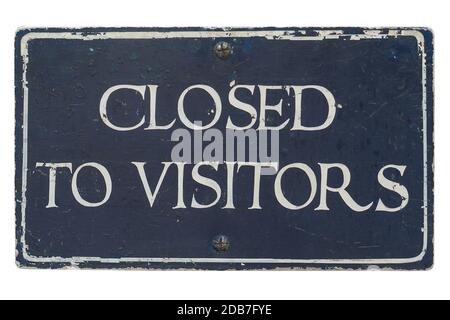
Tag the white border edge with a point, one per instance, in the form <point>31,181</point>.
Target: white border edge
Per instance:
<point>272,35</point>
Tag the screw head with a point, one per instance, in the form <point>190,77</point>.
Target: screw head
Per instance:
<point>221,243</point>
<point>223,50</point>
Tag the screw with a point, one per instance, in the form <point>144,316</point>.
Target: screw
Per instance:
<point>221,243</point>
<point>223,50</point>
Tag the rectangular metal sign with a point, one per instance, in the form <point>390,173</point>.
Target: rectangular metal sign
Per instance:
<point>224,148</point>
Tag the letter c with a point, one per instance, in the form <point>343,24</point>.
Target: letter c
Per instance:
<point>104,104</point>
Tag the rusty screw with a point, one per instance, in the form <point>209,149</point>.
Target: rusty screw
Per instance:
<point>223,50</point>
<point>221,243</point>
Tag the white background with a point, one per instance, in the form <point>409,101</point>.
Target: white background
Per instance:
<point>15,283</point>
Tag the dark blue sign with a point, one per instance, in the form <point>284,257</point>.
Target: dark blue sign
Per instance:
<point>224,148</point>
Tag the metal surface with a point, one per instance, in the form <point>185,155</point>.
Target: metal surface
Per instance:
<point>221,243</point>
<point>102,114</point>
<point>223,50</point>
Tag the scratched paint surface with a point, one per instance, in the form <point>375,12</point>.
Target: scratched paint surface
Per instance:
<point>378,83</point>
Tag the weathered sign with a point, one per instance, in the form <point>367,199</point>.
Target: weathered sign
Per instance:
<point>224,148</point>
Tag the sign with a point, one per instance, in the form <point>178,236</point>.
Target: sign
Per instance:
<point>224,148</point>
